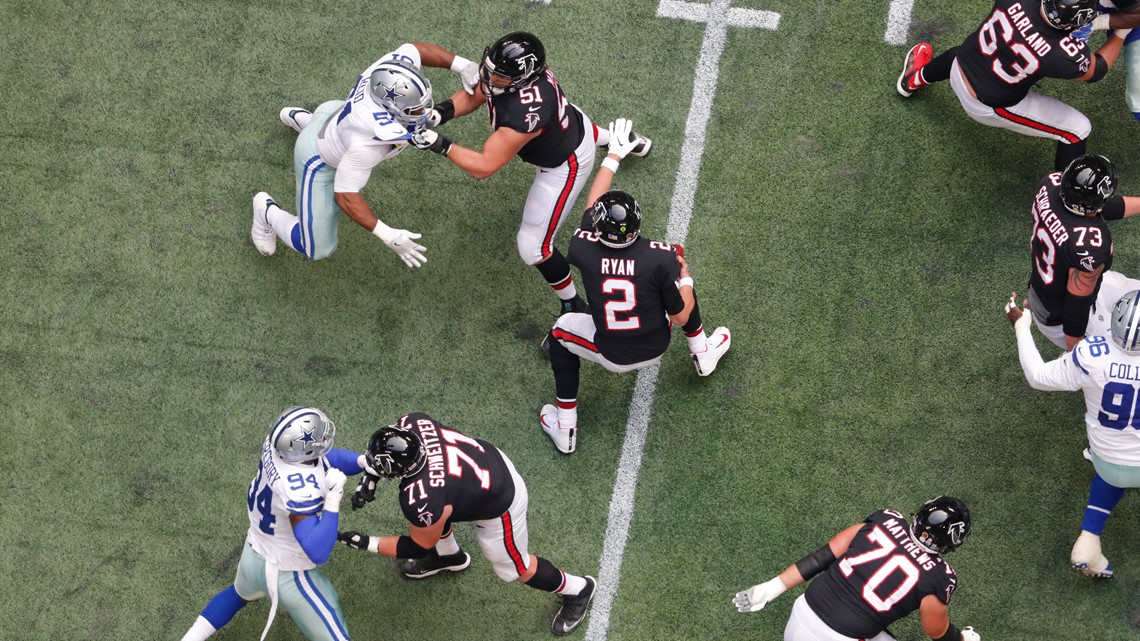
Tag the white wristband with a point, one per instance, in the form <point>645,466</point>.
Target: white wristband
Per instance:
<point>1100,23</point>
<point>688,280</point>
<point>1121,33</point>
<point>374,544</point>
<point>382,231</point>
<point>459,63</point>
<point>610,163</point>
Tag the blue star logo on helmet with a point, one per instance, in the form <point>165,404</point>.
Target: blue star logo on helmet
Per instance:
<point>390,92</point>
<point>306,437</point>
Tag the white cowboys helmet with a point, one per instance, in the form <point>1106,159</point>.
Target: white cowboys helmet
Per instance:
<point>403,92</point>
<point>302,434</point>
<point>1125,327</point>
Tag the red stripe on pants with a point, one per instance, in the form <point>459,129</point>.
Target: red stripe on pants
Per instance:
<point>509,543</point>
<point>560,206</point>
<point>563,335</point>
<point>1039,126</point>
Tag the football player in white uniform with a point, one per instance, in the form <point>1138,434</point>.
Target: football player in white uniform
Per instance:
<point>1121,16</point>
<point>1108,371</point>
<point>294,505</point>
<point>339,145</point>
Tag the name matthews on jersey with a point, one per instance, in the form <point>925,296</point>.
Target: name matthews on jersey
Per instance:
<point>902,536</point>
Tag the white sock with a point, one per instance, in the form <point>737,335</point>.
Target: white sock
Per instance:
<point>447,545</point>
<point>282,223</point>
<point>573,586</point>
<point>603,136</point>
<point>698,342</point>
<point>200,631</point>
<point>567,292</point>
<point>567,413</point>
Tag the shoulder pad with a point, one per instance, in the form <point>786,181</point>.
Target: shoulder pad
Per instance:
<point>389,131</point>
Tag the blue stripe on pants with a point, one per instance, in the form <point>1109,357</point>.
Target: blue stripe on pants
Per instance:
<point>309,591</point>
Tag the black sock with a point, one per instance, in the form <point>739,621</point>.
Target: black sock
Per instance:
<point>938,69</point>
<point>565,365</point>
<point>1067,153</point>
<point>694,323</point>
<point>547,577</point>
<point>555,270</point>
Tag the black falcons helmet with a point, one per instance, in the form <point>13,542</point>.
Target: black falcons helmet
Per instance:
<point>395,452</point>
<point>617,219</point>
<point>518,56</point>
<point>1087,184</point>
<point>1068,15</point>
<point>941,524</point>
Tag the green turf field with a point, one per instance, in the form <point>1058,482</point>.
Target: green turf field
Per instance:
<point>859,246</point>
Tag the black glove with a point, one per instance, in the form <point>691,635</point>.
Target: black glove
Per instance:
<point>354,540</point>
<point>365,491</point>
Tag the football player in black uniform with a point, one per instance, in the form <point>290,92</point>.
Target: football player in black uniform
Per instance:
<point>448,477</point>
<point>636,287</point>
<point>993,71</point>
<point>531,118</point>
<point>872,574</point>
<point>1071,290</point>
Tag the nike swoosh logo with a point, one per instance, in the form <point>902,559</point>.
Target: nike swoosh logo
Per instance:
<point>421,508</point>
<point>1082,253</point>
<point>534,108</point>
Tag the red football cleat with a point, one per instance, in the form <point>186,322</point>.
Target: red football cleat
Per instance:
<point>918,57</point>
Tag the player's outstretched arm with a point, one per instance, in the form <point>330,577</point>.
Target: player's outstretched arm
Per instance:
<point>1131,206</point>
<point>317,534</point>
<point>400,241</point>
<point>440,58</point>
<point>756,597</point>
<point>1054,376</point>
<point>621,143</point>
<point>1104,58</point>
<point>496,153</point>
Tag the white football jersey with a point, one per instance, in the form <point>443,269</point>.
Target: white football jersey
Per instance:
<point>363,134</point>
<point>1110,379</point>
<point>280,489</point>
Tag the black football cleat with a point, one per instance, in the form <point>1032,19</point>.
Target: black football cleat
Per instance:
<point>433,563</point>
<point>574,609</point>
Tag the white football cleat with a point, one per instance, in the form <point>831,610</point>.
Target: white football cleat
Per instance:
<point>261,233</point>
<point>296,118</point>
<point>564,439</point>
<point>717,346</point>
<point>1088,558</point>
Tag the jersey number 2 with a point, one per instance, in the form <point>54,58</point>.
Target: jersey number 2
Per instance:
<point>624,305</point>
<point>897,563</point>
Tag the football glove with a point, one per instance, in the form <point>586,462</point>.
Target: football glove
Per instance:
<point>334,489</point>
<point>365,490</point>
<point>358,541</point>
<point>621,137</point>
<point>468,73</point>
<point>432,141</point>
<point>968,634</point>
<point>403,243</point>
<point>756,597</point>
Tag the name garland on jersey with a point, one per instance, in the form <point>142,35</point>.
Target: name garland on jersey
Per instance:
<point>1024,25</point>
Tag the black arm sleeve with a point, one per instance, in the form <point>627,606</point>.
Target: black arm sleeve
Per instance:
<point>446,110</point>
<point>1101,68</point>
<point>1113,209</point>
<point>816,562</point>
<point>1077,315</point>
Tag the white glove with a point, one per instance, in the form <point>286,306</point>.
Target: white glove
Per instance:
<point>968,634</point>
<point>756,597</point>
<point>334,489</point>
<point>1100,23</point>
<point>468,73</point>
<point>402,242</point>
<point>621,137</point>
<point>1121,33</point>
<point>433,120</point>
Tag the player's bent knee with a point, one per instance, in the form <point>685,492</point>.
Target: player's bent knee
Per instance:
<point>321,253</point>
<point>1083,128</point>
<point>506,571</point>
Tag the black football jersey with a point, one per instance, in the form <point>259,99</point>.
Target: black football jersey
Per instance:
<point>540,106</point>
<point>466,473</point>
<point>883,577</point>
<point>630,291</point>
<point>1013,49</point>
<point>1063,240</point>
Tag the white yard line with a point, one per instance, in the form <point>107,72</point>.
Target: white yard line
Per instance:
<point>898,22</point>
<point>719,15</point>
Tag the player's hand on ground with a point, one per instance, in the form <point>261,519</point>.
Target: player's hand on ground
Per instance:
<point>756,597</point>
<point>365,490</point>
<point>403,243</point>
<point>968,634</point>
<point>621,137</point>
